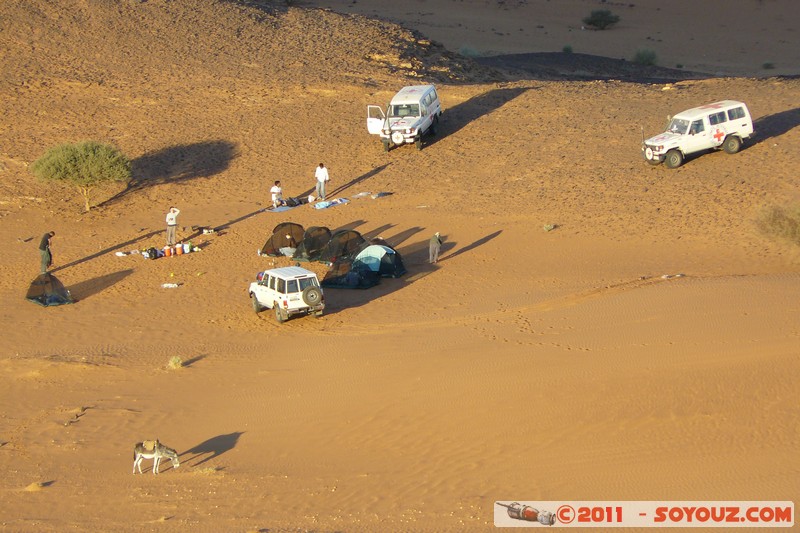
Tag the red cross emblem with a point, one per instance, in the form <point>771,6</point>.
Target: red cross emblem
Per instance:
<point>718,135</point>
<point>711,106</point>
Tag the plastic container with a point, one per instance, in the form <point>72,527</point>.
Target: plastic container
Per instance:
<point>179,249</point>
<point>187,248</point>
<point>167,251</point>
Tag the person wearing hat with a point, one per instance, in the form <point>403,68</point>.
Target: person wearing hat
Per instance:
<point>434,247</point>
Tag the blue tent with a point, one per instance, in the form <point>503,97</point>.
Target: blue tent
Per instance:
<point>381,259</point>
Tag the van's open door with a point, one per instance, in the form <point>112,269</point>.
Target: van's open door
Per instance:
<point>375,119</point>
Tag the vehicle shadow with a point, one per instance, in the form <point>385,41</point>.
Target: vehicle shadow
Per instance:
<point>775,125</point>
<point>458,116</point>
<point>213,447</point>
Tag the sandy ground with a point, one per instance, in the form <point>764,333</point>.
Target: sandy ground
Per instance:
<point>572,364</point>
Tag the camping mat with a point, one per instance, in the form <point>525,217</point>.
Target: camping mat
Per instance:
<point>326,204</point>
<point>280,208</point>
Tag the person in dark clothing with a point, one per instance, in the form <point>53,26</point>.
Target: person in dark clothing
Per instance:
<point>44,251</point>
<point>434,247</point>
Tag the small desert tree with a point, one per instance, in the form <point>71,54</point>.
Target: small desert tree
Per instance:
<point>84,165</point>
<point>645,57</point>
<point>601,19</point>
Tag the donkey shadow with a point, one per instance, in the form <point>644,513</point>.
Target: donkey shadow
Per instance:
<point>213,447</point>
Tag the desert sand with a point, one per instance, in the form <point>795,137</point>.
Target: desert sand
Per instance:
<point>646,348</point>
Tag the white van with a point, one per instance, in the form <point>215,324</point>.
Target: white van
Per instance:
<point>412,113</point>
<point>723,124</point>
<point>288,291</point>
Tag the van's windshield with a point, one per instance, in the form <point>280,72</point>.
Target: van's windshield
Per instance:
<point>404,110</point>
<point>678,125</point>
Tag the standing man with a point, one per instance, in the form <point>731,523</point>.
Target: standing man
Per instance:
<point>172,224</point>
<point>434,247</point>
<point>277,194</point>
<point>322,179</point>
<point>44,251</point>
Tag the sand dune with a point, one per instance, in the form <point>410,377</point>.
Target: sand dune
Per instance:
<point>645,348</point>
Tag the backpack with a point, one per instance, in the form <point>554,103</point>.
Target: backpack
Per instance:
<point>152,253</point>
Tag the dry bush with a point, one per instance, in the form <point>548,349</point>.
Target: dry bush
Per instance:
<point>783,222</point>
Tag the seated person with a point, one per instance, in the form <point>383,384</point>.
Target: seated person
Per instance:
<point>277,194</point>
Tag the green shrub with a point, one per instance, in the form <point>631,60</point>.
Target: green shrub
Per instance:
<point>175,362</point>
<point>645,57</point>
<point>84,165</point>
<point>567,49</point>
<point>601,19</point>
<point>783,222</point>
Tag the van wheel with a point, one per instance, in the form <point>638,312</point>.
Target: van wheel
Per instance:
<point>385,146</point>
<point>732,144</point>
<point>257,307</point>
<point>280,316</point>
<point>312,296</point>
<point>673,159</point>
<point>418,142</point>
<point>434,125</point>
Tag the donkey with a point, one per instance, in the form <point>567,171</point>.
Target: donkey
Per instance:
<point>152,449</point>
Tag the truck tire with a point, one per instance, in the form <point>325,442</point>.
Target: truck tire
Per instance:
<point>732,144</point>
<point>312,296</point>
<point>280,316</point>
<point>673,159</point>
<point>418,142</point>
<point>257,307</point>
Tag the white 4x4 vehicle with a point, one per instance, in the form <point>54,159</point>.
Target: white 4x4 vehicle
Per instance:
<point>413,112</point>
<point>722,124</point>
<point>287,291</point>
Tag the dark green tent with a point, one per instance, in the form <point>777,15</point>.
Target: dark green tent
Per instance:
<point>46,290</point>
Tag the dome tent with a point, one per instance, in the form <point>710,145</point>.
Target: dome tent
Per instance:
<point>47,290</point>
<point>285,238</point>
<point>365,267</point>
<point>314,241</point>
<point>382,259</point>
<point>342,275</point>
<point>343,244</point>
